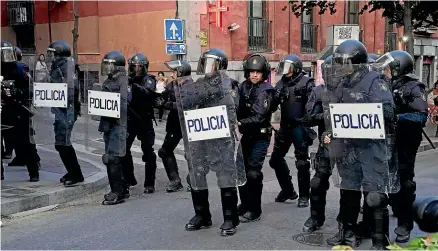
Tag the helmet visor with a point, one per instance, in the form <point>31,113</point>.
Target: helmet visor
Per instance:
<point>173,65</point>
<point>108,67</point>
<point>384,61</point>
<point>8,55</point>
<point>50,55</point>
<point>137,70</point>
<point>207,65</point>
<point>284,67</point>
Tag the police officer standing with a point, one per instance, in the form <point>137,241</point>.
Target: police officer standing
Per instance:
<point>411,109</point>
<point>114,130</point>
<point>292,92</point>
<point>254,115</point>
<point>16,105</point>
<point>361,85</point>
<point>141,100</point>
<point>63,71</point>
<point>320,183</point>
<point>180,69</point>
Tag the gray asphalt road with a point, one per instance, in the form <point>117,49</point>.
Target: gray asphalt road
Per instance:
<point>157,221</point>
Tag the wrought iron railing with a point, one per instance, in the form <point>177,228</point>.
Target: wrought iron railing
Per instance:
<point>308,37</point>
<point>259,34</point>
<point>20,13</point>
<point>391,41</point>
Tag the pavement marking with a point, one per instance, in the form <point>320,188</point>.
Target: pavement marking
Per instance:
<point>33,211</point>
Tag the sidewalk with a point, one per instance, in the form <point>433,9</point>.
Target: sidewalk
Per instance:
<point>18,194</point>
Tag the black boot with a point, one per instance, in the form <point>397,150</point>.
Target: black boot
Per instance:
<point>229,210</point>
<point>345,236</point>
<point>254,208</point>
<point>34,175</point>
<point>202,219</point>
<point>287,188</point>
<point>380,233</point>
<point>115,177</point>
<point>112,198</point>
<point>312,225</point>
<point>364,227</point>
<point>71,163</point>
<point>171,168</point>
<point>128,170</point>
<point>150,172</point>
<point>303,182</point>
<point>174,186</point>
<point>243,195</point>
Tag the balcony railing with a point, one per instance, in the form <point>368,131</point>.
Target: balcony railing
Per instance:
<point>259,34</point>
<point>308,37</point>
<point>391,41</point>
<point>20,13</point>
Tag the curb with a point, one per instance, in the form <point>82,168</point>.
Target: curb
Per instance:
<point>58,195</point>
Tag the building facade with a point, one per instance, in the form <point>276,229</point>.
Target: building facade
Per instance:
<point>239,28</point>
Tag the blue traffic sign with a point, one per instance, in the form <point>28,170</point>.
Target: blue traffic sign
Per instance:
<point>176,49</point>
<point>173,30</point>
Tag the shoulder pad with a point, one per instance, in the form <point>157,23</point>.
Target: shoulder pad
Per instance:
<point>266,86</point>
<point>307,79</point>
<point>412,84</point>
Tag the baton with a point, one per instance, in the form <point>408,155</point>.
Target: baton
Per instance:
<point>428,139</point>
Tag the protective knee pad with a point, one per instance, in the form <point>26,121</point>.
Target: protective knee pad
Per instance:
<point>377,200</point>
<point>150,157</point>
<point>109,159</point>
<point>229,191</point>
<point>254,176</point>
<point>163,153</point>
<point>302,165</point>
<point>319,183</point>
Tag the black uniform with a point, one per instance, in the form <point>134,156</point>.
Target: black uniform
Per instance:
<point>63,71</point>
<point>254,115</point>
<point>173,127</point>
<point>320,183</point>
<point>114,130</point>
<point>292,94</point>
<point>16,108</point>
<point>411,109</point>
<point>140,121</point>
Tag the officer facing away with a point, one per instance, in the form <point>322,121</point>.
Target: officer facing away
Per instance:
<point>114,130</point>
<point>411,109</point>
<point>179,68</point>
<point>254,115</point>
<point>140,116</point>
<point>292,92</point>
<point>320,183</point>
<point>16,109</point>
<point>62,71</point>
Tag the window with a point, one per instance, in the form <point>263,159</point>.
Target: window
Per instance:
<point>25,36</point>
<point>258,26</point>
<point>308,34</point>
<point>352,12</point>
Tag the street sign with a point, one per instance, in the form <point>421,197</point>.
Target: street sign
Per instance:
<point>176,49</point>
<point>173,30</point>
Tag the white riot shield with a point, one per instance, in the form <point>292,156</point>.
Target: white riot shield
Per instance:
<point>57,106</point>
<point>106,112</point>
<point>209,125</point>
<point>359,114</point>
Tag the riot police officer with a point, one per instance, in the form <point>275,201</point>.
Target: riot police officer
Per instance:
<point>141,100</point>
<point>63,71</point>
<point>254,115</point>
<point>411,109</point>
<point>180,69</point>
<point>292,92</point>
<point>320,183</point>
<point>217,155</point>
<point>16,108</point>
<point>114,130</point>
<point>360,85</point>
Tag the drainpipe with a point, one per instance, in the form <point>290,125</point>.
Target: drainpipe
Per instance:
<point>50,21</point>
<point>288,25</point>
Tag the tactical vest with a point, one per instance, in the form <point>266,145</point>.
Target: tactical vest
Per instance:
<point>294,107</point>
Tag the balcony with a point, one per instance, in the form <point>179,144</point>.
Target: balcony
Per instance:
<point>20,13</point>
<point>259,35</point>
<point>391,41</point>
<point>308,37</point>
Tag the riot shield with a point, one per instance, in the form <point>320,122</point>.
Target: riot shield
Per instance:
<point>209,124</point>
<point>106,112</point>
<point>359,116</point>
<point>57,106</point>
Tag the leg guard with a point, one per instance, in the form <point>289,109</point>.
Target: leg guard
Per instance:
<point>169,163</point>
<point>303,168</point>
<point>229,210</point>
<point>150,160</point>
<point>319,185</point>
<point>202,219</point>
<point>115,175</point>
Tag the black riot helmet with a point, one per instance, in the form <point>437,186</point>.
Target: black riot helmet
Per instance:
<point>211,61</point>
<point>138,65</point>
<point>181,67</point>
<point>57,49</point>
<point>7,52</point>
<point>326,64</point>
<point>256,62</point>
<point>349,57</point>
<point>18,53</point>
<point>112,62</point>
<point>399,62</point>
<point>291,63</point>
